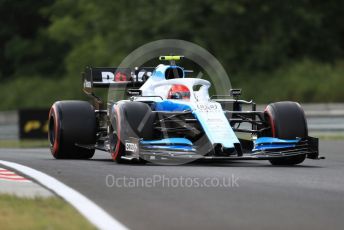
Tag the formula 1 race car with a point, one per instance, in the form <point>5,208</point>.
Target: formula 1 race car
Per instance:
<point>170,117</point>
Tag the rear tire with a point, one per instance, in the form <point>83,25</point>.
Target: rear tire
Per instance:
<point>287,121</point>
<point>126,122</point>
<point>71,123</point>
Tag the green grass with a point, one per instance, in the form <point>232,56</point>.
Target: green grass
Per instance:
<point>303,81</point>
<point>24,143</point>
<point>39,213</point>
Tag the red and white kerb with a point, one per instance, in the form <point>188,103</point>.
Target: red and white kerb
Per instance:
<point>8,175</point>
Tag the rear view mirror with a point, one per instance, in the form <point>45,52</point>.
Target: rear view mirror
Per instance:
<point>235,93</point>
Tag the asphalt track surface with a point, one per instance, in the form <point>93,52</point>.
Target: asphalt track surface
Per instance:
<point>260,196</point>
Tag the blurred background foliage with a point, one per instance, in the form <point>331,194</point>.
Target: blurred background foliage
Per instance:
<point>274,50</point>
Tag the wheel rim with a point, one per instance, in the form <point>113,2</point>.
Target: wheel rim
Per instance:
<point>113,135</point>
<point>51,131</point>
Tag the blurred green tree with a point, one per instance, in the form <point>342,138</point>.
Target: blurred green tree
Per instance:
<point>249,35</point>
<point>260,39</point>
<point>25,48</point>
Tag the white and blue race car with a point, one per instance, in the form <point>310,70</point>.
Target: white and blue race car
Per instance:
<point>168,117</point>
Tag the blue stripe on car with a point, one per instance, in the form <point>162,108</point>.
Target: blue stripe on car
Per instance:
<point>273,140</point>
<point>272,146</point>
<point>170,106</point>
<point>170,147</point>
<point>167,141</point>
<point>267,143</point>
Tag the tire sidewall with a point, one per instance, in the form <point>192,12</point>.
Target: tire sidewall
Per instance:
<point>72,122</point>
<point>287,121</point>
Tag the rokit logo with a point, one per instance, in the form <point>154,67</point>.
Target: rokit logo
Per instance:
<point>130,147</point>
<point>118,76</point>
<point>207,107</point>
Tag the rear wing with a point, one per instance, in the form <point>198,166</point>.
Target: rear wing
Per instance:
<point>105,77</point>
<point>116,78</point>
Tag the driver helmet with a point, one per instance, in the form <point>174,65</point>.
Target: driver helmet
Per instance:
<point>178,92</point>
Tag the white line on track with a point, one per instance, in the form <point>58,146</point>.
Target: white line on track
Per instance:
<point>86,207</point>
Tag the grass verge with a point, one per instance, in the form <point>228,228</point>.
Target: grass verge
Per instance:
<point>24,143</point>
<point>39,213</point>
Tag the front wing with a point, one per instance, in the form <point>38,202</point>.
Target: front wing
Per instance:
<point>135,150</point>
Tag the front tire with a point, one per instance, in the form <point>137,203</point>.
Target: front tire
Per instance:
<point>287,121</point>
<point>71,123</point>
<point>129,119</point>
